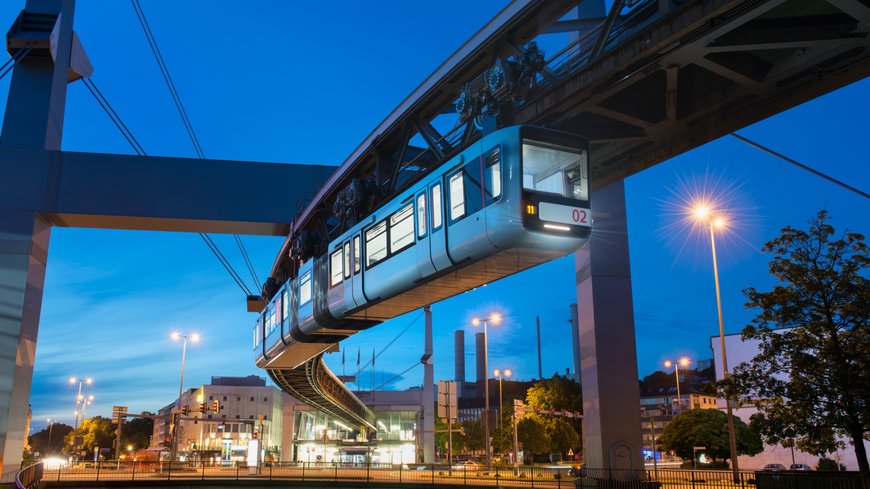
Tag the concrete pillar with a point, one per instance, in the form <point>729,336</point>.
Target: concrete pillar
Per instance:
<point>33,120</point>
<point>607,345</point>
<point>23,254</point>
<point>428,400</point>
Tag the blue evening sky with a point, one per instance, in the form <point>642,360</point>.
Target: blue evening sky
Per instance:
<point>305,82</point>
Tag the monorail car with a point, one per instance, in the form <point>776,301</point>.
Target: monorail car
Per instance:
<point>516,198</point>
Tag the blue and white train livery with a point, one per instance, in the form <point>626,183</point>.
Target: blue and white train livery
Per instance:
<point>516,198</point>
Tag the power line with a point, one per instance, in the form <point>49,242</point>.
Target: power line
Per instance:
<point>399,375</point>
<point>128,135</point>
<point>389,344</point>
<point>247,259</point>
<point>799,165</point>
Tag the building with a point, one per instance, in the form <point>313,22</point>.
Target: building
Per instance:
<point>314,436</point>
<point>740,351</point>
<point>658,410</point>
<point>226,421</point>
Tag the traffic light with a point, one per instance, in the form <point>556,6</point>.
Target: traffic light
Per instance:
<point>185,410</point>
<point>255,435</point>
<point>215,406</point>
<point>167,442</point>
<point>202,408</point>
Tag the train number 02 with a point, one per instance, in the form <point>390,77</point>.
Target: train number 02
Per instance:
<point>579,215</point>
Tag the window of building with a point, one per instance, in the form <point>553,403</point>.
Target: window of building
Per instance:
<point>305,288</point>
<point>335,268</point>
<point>356,254</point>
<point>347,260</point>
<point>402,229</point>
<point>265,399</point>
<point>209,416</point>
<point>211,398</point>
<point>251,416</point>
<point>237,416</point>
<point>225,398</point>
<point>376,243</point>
<point>421,215</point>
<point>252,398</point>
<point>436,206</point>
<point>265,416</point>
<point>238,398</point>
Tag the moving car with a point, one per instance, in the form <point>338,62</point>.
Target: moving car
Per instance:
<point>467,465</point>
<point>773,468</point>
<point>800,467</point>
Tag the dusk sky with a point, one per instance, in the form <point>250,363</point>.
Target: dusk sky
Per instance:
<point>305,82</point>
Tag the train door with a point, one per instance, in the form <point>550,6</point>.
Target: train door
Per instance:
<point>349,299</point>
<point>437,229</point>
<point>424,256</point>
<point>356,264</point>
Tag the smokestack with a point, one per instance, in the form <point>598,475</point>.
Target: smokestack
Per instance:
<point>575,341</point>
<point>459,357</point>
<point>478,359</point>
<point>538,327</point>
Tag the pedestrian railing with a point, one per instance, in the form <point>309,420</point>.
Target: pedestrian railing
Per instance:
<point>29,477</point>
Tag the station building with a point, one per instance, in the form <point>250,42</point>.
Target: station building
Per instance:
<point>254,415</point>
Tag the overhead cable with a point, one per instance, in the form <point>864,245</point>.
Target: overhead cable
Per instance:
<point>14,60</point>
<point>134,143</point>
<point>247,259</point>
<point>155,49</point>
<point>389,344</point>
<point>395,377</point>
<point>800,165</point>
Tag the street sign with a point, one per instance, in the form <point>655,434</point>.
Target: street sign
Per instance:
<point>447,399</point>
<point>699,448</point>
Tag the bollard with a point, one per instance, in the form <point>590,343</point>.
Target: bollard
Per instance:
<point>133,476</point>
<point>336,470</point>
<point>400,473</point>
<point>303,471</point>
<point>98,470</point>
<point>368,469</point>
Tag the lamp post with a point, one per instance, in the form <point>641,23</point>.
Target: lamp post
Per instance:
<point>50,426</point>
<point>501,374</point>
<point>684,362</point>
<point>193,338</point>
<point>493,318</point>
<point>703,214</point>
<point>79,412</point>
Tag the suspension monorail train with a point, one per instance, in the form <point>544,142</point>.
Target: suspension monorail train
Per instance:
<point>516,198</point>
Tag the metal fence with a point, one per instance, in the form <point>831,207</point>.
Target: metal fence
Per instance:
<point>29,477</point>
<point>432,474</point>
<point>435,474</point>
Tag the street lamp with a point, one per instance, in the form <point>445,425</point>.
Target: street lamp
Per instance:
<point>501,374</point>
<point>684,362</point>
<point>704,215</point>
<point>79,398</point>
<point>493,318</point>
<point>50,426</point>
<point>193,338</point>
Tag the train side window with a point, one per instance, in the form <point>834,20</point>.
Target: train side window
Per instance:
<point>356,254</point>
<point>421,215</point>
<point>402,229</point>
<point>436,206</point>
<point>492,174</point>
<point>347,260</point>
<point>376,243</point>
<point>457,196</point>
<point>284,305</point>
<point>335,268</point>
<point>305,289</point>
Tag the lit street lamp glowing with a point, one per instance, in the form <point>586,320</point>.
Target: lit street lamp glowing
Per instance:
<point>501,374</point>
<point>174,427</point>
<point>684,361</point>
<point>717,221</point>
<point>494,318</point>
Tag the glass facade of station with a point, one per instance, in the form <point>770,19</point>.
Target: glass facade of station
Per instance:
<point>320,438</point>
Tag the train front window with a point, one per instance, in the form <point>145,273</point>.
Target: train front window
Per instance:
<point>555,170</point>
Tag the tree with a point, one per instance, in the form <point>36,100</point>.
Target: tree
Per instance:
<point>532,433</point>
<point>137,432</point>
<point>708,428</point>
<point>557,392</point>
<point>811,378</point>
<point>472,436</point>
<point>562,435</point>
<point>95,432</point>
<point>39,441</point>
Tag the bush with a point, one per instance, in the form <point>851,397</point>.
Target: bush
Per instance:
<point>828,465</point>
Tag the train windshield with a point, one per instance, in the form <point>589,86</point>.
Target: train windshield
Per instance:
<point>555,170</point>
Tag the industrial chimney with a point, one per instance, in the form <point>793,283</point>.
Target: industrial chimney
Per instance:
<point>459,358</point>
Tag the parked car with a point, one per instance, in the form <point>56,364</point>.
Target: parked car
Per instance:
<point>773,468</point>
<point>800,467</point>
<point>577,471</point>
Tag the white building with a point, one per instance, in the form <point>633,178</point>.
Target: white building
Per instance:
<point>739,351</point>
<point>249,414</point>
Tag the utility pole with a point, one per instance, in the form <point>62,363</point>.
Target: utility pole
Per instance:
<point>538,329</point>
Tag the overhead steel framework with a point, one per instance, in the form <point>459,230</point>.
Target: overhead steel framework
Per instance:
<point>652,79</point>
